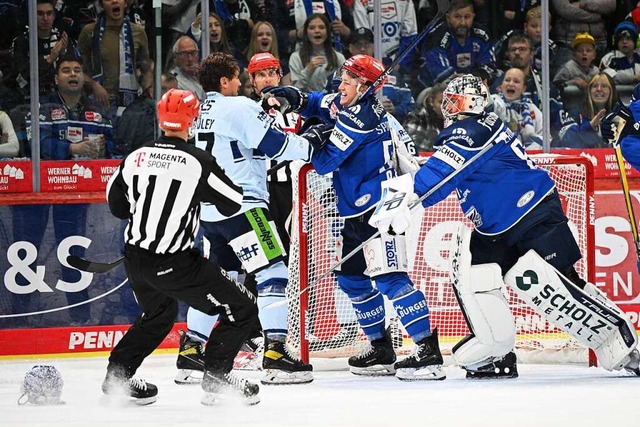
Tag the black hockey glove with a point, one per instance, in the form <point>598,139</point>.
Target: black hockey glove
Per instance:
<point>618,124</point>
<point>318,135</point>
<point>294,96</point>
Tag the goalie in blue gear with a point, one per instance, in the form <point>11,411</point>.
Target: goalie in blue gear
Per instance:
<point>523,239</point>
<point>360,154</point>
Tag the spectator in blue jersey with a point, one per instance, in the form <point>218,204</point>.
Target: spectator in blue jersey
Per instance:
<point>72,125</point>
<point>359,158</point>
<point>599,99</point>
<point>455,46</point>
<point>623,63</point>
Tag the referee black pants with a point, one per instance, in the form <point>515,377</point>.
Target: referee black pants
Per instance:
<point>158,281</point>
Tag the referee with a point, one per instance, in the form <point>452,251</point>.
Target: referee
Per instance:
<point>158,189</point>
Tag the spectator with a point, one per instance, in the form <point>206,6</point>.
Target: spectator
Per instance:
<point>264,40</point>
<point>520,115</point>
<point>167,81</point>
<point>455,46</point>
<point>520,55</point>
<point>218,40</point>
<point>623,64</point>
<point>425,123</point>
<point>246,88</point>
<point>276,13</point>
<point>177,16</point>
<point>72,125</point>
<point>238,17</point>
<point>578,71</point>
<point>13,19</point>
<point>396,95</point>
<point>339,17</point>
<point>398,28</point>
<point>51,44</point>
<point>532,27</point>
<point>9,146</point>
<point>600,97</point>
<point>116,50</point>
<point>573,17</point>
<point>313,64</point>
<point>514,12</point>
<point>186,53</point>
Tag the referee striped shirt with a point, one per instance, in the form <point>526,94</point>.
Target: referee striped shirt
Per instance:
<point>159,187</point>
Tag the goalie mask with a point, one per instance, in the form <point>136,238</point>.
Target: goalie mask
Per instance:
<point>42,385</point>
<point>465,95</point>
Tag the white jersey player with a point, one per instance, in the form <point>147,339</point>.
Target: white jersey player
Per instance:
<point>241,136</point>
<point>522,238</point>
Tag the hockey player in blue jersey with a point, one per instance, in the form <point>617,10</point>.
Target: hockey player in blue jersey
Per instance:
<point>521,234</point>
<point>241,136</point>
<point>626,133</point>
<point>360,155</point>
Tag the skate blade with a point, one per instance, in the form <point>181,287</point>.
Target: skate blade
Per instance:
<point>427,373</point>
<point>373,371</point>
<point>278,377</point>
<point>186,377</point>
<point>216,399</point>
<point>120,400</point>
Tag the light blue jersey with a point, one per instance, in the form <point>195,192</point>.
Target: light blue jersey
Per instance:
<point>241,136</point>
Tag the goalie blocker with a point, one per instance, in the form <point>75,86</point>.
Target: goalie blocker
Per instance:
<point>587,315</point>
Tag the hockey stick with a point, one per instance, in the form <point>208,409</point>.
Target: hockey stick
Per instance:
<point>92,266</point>
<point>435,188</point>
<point>443,7</point>
<point>628,203</point>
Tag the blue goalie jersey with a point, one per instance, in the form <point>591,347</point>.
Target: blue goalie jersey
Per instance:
<point>359,152</point>
<point>498,188</point>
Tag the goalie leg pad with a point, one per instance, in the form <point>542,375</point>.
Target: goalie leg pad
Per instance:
<point>479,292</point>
<point>488,315</point>
<point>585,317</point>
<point>386,254</point>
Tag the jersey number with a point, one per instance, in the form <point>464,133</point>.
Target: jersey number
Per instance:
<point>209,138</point>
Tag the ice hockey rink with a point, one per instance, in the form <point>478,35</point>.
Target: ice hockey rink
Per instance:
<point>543,395</point>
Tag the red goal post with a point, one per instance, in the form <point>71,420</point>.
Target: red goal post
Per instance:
<point>318,310</point>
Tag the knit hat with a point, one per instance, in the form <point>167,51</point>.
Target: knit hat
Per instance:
<point>625,29</point>
<point>583,38</point>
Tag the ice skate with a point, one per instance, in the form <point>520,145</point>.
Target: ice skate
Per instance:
<point>425,363</point>
<point>217,386</point>
<point>133,390</point>
<point>190,362</point>
<point>374,360</point>
<point>506,367</point>
<point>281,367</point>
<point>249,357</point>
<point>347,335</point>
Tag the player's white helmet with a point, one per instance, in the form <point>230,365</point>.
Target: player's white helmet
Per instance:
<point>464,95</point>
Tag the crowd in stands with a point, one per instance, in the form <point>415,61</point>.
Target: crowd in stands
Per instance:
<point>99,57</point>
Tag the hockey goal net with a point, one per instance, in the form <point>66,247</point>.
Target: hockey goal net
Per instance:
<point>321,319</point>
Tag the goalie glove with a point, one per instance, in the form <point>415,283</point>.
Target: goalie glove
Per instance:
<point>618,124</point>
<point>393,215</point>
<point>296,99</point>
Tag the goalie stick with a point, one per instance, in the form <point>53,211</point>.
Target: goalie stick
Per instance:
<point>443,7</point>
<point>92,266</point>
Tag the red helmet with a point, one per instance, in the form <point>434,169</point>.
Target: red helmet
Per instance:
<point>366,68</point>
<point>263,61</point>
<point>177,109</point>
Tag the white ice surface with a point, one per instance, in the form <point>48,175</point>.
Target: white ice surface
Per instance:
<point>543,396</point>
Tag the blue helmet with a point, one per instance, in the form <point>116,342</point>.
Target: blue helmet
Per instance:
<point>42,385</point>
